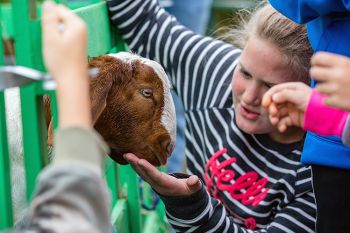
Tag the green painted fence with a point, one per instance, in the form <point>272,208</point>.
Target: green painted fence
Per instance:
<point>20,22</point>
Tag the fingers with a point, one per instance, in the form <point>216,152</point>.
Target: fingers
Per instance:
<point>193,184</point>
<point>147,171</point>
<point>50,13</point>
<point>274,119</point>
<point>163,183</point>
<point>327,88</point>
<point>54,15</point>
<point>333,101</point>
<point>69,18</point>
<point>50,20</point>
<point>284,123</point>
<point>273,109</point>
<point>267,98</point>
<point>286,95</point>
<point>133,160</point>
<point>154,177</point>
<point>325,59</point>
<point>321,73</point>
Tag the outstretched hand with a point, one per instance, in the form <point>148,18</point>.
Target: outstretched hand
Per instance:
<point>286,104</point>
<point>162,183</point>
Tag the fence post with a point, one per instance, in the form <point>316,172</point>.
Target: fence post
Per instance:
<point>27,38</point>
<point>5,179</point>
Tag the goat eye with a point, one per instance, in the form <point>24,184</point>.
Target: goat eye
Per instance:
<point>146,92</point>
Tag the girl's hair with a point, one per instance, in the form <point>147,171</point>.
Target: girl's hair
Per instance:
<point>268,24</point>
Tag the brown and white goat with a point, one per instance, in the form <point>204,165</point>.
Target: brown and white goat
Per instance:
<point>132,109</point>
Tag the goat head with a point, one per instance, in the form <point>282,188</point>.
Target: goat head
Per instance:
<point>132,107</point>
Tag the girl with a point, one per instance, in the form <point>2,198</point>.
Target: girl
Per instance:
<point>251,174</point>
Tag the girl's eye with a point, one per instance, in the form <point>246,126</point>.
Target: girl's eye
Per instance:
<point>146,92</point>
<point>268,85</point>
<point>245,74</point>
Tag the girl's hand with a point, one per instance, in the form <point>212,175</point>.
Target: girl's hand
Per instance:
<point>162,183</point>
<point>333,72</point>
<point>286,104</point>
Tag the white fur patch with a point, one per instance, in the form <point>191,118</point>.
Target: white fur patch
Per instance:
<point>168,116</point>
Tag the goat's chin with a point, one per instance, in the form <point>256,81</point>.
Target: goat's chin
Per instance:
<point>117,156</point>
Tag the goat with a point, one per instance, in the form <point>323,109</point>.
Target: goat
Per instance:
<point>131,107</point>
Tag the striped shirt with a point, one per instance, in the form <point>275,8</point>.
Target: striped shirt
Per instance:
<point>251,182</point>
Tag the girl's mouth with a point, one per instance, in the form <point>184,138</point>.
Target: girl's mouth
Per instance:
<point>248,114</point>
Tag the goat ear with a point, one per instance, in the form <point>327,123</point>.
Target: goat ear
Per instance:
<point>49,120</point>
<point>50,139</point>
<point>99,90</point>
<point>101,85</point>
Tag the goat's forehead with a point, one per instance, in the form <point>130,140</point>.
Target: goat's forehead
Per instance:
<point>130,58</point>
<point>168,115</point>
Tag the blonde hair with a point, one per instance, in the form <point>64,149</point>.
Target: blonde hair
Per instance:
<point>268,24</point>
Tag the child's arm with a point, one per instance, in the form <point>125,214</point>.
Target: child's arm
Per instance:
<point>71,194</point>
<point>323,120</point>
<point>333,72</point>
<point>296,104</point>
<point>64,54</point>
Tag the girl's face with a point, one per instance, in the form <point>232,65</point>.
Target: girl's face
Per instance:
<point>261,66</point>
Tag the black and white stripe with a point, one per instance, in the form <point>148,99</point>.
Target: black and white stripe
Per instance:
<point>201,70</point>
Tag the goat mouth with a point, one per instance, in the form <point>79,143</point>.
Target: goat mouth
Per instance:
<point>162,159</point>
<point>117,156</point>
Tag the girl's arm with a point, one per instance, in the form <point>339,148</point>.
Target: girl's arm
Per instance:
<point>190,208</point>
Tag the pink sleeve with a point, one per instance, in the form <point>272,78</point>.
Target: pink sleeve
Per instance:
<point>322,119</point>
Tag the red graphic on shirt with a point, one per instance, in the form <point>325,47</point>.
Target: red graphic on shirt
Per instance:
<point>247,188</point>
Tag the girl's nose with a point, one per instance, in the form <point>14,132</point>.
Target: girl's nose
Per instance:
<point>252,95</point>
